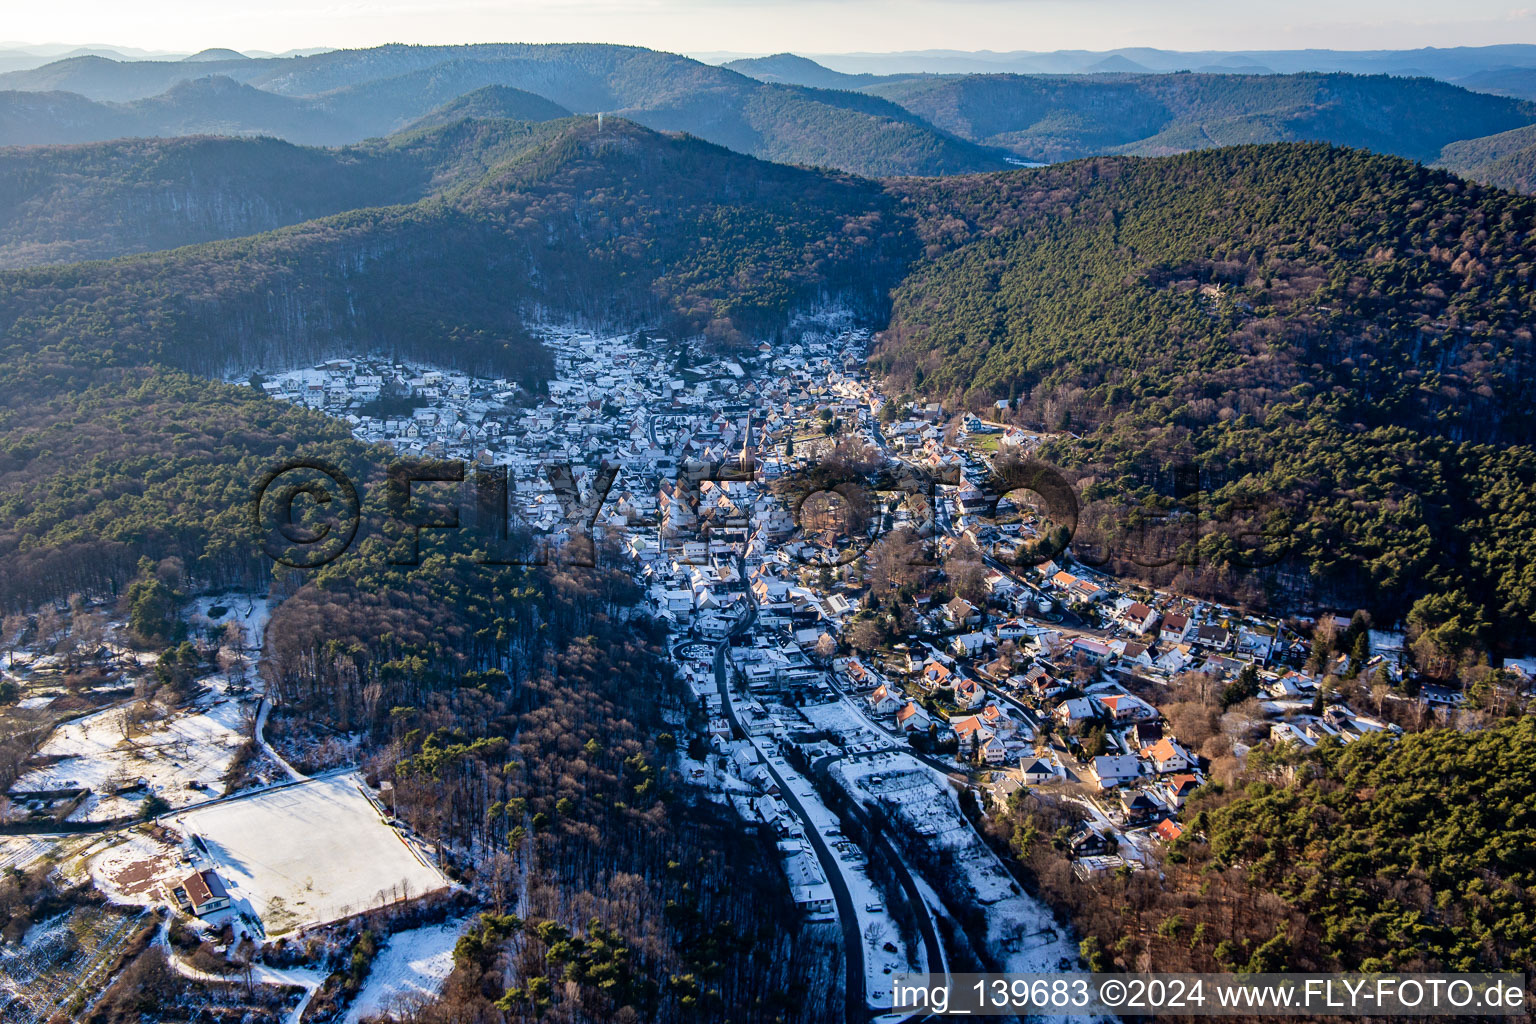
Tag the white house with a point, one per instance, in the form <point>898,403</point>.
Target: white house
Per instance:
<point>883,702</point>
<point>1076,710</point>
<point>968,645</point>
<point>1038,771</point>
<point>912,718</point>
<point>1113,769</point>
<point>1168,756</point>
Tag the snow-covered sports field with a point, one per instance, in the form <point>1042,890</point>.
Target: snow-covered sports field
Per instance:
<point>307,854</point>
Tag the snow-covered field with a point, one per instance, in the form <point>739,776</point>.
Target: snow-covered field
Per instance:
<point>839,718</point>
<point>411,964</point>
<point>307,854</point>
<point>94,752</point>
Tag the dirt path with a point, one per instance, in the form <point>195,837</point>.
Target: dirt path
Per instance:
<point>308,980</point>
<point>261,740</point>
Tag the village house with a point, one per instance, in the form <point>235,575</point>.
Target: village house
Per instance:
<point>1112,770</point>
<point>1089,841</point>
<point>1076,709</point>
<point>959,613</point>
<point>1167,756</point>
<point>969,694</point>
<point>1124,707</point>
<point>1175,659</point>
<point>996,670</point>
<point>1138,618</point>
<point>912,718</point>
<point>968,645</point>
<point>1175,626</point>
<point>1215,638</point>
<point>202,893</point>
<point>1037,771</point>
<point>1139,808</point>
<point>883,702</point>
<point>1175,789</point>
<point>1133,656</point>
<point>936,674</point>
<point>970,733</point>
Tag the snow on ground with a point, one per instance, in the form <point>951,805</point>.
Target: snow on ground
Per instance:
<point>875,923</point>
<point>185,749</point>
<point>842,720</point>
<point>139,868</point>
<point>251,613</point>
<point>309,853</point>
<point>1021,930</point>
<point>19,851</point>
<point>411,964</point>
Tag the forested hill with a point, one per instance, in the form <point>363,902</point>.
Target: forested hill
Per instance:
<point>61,204</point>
<point>1507,159</point>
<point>1341,339</point>
<point>493,102</point>
<point>1062,117</point>
<point>613,223</point>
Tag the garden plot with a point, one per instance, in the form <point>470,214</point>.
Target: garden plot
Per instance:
<point>62,960</point>
<point>182,759</point>
<point>308,854</point>
<point>842,721</point>
<point>141,867</point>
<point>412,965</point>
<point>20,851</point>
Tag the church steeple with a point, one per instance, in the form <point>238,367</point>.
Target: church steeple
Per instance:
<point>748,453</point>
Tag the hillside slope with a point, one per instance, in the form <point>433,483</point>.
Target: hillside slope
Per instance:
<point>495,102</point>
<point>791,69</point>
<point>1517,82</point>
<point>1507,159</point>
<point>1337,341</point>
<point>60,204</point>
<point>624,222</point>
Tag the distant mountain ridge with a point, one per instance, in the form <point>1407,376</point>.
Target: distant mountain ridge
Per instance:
<point>791,69</point>
<point>1063,117</point>
<point>344,96</point>
<point>1450,64</point>
<point>784,108</point>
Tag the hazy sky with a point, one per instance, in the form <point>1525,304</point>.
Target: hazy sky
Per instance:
<point>764,26</point>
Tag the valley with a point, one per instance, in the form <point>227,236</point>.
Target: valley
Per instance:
<point>578,533</point>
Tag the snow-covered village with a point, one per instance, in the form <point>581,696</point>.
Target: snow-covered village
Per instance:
<point>870,684</point>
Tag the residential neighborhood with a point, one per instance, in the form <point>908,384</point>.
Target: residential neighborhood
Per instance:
<point>828,698</point>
